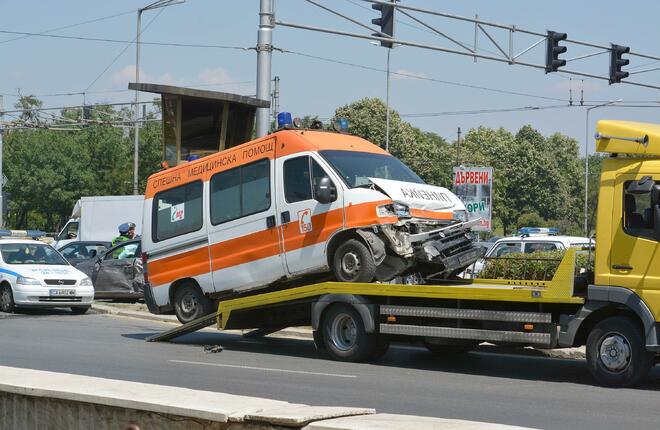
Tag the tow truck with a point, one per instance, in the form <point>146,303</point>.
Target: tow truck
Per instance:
<point>615,312</point>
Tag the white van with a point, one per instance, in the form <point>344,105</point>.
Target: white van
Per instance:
<point>293,204</point>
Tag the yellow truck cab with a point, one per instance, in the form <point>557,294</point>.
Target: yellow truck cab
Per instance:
<point>616,313</point>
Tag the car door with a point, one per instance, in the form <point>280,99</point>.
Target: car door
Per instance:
<point>245,245</point>
<point>306,224</point>
<point>116,270</point>
<point>635,257</point>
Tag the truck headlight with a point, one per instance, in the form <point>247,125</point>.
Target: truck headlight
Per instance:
<point>86,282</point>
<point>461,215</point>
<point>22,280</point>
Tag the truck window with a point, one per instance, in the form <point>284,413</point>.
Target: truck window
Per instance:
<point>638,215</point>
<point>69,232</point>
<point>177,211</point>
<point>298,185</point>
<point>240,192</point>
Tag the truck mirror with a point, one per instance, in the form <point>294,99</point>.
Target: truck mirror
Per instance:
<point>643,186</point>
<point>325,191</point>
<point>655,198</point>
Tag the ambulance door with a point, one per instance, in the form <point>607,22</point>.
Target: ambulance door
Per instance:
<point>306,223</point>
<point>635,252</point>
<point>243,235</point>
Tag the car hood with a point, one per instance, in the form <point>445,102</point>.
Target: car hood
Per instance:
<point>420,196</point>
<point>45,271</point>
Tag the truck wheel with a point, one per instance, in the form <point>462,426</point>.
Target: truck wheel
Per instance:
<point>190,304</point>
<point>353,262</point>
<point>6,299</point>
<point>79,310</point>
<point>616,354</point>
<point>344,336</point>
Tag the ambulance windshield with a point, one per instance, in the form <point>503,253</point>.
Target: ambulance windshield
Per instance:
<point>356,168</point>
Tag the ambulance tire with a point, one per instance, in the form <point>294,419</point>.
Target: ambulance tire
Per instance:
<point>190,304</point>
<point>344,336</point>
<point>616,353</point>
<point>353,262</point>
<point>6,299</point>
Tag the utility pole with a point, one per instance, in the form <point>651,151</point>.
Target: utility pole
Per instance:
<point>2,125</point>
<point>458,148</point>
<point>387,104</point>
<point>136,132</point>
<point>275,107</point>
<point>264,54</point>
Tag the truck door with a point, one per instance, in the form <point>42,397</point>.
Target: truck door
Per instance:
<point>243,235</point>
<point>635,255</point>
<point>306,224</point>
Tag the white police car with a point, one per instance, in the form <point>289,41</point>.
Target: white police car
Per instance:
<point>33,274</point>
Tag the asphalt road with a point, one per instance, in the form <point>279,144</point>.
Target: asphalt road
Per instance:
<point>496,388</point>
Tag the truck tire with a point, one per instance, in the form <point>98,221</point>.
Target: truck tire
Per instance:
<point>6,299</point>
<point>353,262</point>
<point>344,336</point>
<point>79,310</point>
<point>190,304</point>
<point>616,353</point>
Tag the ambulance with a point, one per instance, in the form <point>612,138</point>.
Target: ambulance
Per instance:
<point>294,205</point>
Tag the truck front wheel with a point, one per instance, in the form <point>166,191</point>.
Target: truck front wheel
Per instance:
<point>344,336</point>
<point>616,354</point>
<point>353,262</point>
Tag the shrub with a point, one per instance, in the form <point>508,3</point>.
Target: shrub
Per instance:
<point>537,266</point>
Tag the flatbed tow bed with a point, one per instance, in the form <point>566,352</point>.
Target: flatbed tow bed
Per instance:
<point>367,315</point>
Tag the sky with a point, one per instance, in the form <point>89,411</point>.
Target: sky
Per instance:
<point>423,81</point>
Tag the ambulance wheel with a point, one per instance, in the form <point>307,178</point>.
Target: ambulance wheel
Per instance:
<point>190,304</point>
<point>616,354</point>
<point>79,310</point>
<point>6,299</point>
<point>353,262</point>
<point>344,336</point>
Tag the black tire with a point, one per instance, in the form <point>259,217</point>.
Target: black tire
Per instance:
<point>353,262</point>
<point>190,304</point>
<point>79,310</point>
<point>344,336</point>
<point>616,352</point>
<point>6,299</point>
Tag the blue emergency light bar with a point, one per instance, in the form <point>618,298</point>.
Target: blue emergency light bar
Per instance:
<point>528,231</point>
<point>22,233</point>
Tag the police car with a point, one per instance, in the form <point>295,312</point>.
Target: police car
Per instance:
<point>34,274</point>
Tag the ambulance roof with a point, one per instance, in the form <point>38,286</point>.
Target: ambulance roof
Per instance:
<point>628,137</point>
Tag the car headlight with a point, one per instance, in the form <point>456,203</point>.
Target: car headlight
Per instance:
<point>461,215</point>
<point>22,280</point>
<point>394,209</point>
<point>86,282</point>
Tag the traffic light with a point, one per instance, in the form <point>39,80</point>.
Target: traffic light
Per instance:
<point>616,63</point>
<point>553,49</point>
<point>386,21</point>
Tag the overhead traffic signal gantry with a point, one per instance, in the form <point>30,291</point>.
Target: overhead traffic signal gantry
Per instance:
<point>616,63</point>
<point>386,21</point>
<point>553,49</point>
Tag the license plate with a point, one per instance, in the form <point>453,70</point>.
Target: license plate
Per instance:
<point>63,292</point>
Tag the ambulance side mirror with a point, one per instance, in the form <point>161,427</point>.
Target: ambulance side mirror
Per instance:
<point>325,191</point>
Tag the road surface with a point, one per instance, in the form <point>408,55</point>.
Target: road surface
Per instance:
<point>497,388</point>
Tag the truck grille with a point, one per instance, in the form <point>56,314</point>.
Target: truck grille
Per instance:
<point>60,281</point>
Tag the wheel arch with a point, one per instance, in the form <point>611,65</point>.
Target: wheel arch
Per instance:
<point>181,282</point>
<point>366,309</point>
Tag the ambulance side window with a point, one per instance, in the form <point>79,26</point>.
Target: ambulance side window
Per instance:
<point>177,211</point>
<point>297,182</point>
<point>240,192</point>
<point>638,214</point>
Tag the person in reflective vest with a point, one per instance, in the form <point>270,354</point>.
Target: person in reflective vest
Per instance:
<point>126,232</point>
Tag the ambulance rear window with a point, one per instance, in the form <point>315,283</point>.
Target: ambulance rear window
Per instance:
<point>177,211</point>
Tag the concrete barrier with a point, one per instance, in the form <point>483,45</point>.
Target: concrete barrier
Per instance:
<point>34,399</point>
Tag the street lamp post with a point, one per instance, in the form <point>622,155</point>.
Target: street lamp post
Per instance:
<point>586,163</point>
<point>136,144</point>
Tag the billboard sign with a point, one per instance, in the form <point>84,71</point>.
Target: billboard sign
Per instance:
<point>474,186</point>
